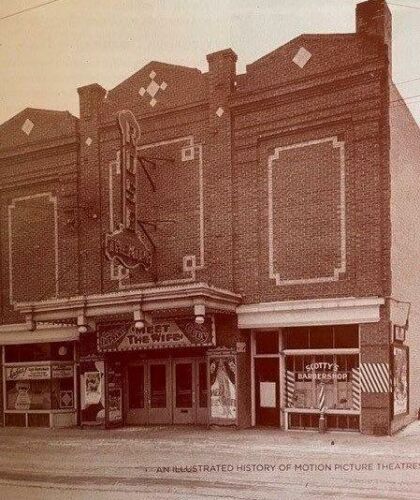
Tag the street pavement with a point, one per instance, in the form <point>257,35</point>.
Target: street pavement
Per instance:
<point>200,463</point>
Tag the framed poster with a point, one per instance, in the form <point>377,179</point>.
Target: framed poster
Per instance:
<point>114,393</point>
<point>92,393</point>
<point>223,390</point>
<point>400,380</point>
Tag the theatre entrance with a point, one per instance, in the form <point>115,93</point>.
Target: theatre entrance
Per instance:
<point>166,391</point>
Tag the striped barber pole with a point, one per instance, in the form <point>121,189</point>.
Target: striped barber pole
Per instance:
<point>290,388</point>
<point>321,397</point>
<point>356,389</point>
<point>374,377</point>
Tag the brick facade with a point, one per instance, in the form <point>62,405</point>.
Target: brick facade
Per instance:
<point>274,184</point>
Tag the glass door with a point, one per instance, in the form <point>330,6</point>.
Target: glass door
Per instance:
<point>184,392</point>
<point>267,387</point>
<point>137,411</point>
<point>159,392</point>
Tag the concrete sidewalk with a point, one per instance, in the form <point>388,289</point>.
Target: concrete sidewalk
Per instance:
<point>214,463</point>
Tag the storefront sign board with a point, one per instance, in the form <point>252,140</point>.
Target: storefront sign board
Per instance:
<point>62,371</point>
<point>38,372</point>
<point>159,335</point>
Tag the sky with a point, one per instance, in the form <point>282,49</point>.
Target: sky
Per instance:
<point>47,52</point>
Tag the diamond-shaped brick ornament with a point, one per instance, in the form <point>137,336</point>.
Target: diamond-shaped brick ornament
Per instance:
<point>27,126</point>
<point>220,111</point>
<point>88,141</point>
<point>302,57</point>
<point>152,89</point>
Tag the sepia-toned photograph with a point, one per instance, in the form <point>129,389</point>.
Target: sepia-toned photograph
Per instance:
<point>209,249</point>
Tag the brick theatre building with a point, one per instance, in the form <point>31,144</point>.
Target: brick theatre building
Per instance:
<point>218,248</point>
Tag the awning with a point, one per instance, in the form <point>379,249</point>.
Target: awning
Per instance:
<point>335,311</point>
<point>194,296</point>
<point>19,333</point>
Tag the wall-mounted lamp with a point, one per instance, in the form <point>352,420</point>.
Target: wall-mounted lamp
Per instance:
<point>199,313</point>
<point>82,329</point>
<point>138,319</point>
<point>82,326</point>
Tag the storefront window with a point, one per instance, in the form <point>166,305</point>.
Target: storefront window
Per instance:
<point>306,373</point>
<point>322,337</point>
<point>28,395</point>
<point>26,353</point>
<point>296,338</point>
<point>62,386</point>
<point>39,376</point>
<point>267,342</point>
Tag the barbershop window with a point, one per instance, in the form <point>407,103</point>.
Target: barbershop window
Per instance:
<point>267,342</point>
<point>322,337</point>
<point>306,374</point>
<point>307,421</point>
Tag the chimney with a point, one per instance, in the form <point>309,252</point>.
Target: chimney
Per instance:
<point>222,70</point>
<point>374,19</point>
<point>218,153</point>
<point>91,99</point>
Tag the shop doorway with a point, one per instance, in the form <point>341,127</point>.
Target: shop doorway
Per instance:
<point>167,391</point>
<point>267,392</point>
<point>149,394</point>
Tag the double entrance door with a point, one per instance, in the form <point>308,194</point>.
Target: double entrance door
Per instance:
<point>166,391</point>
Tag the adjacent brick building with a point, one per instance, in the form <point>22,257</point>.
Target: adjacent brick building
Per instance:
<point>218,247</point>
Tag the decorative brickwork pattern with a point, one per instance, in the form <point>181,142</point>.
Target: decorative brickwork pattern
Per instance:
<point>306,212</point>
<point>33,248</point>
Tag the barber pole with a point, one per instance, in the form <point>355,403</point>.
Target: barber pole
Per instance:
<point>356,389</point>
<point>374,377</point>
<point>321,405</point>
<point>321,397</point>
<point>290,388</point>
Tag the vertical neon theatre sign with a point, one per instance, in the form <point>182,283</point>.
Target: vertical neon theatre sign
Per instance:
<point>126,246</point>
